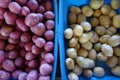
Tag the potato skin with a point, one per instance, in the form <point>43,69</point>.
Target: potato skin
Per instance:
<point>72,76</point>
<point>75,10</point>
<point>99,71</point>
<point>70,63</point>
<point>116,21</point>
<point>116,70</point>
<point>72,18</point>
<point>68,33</point>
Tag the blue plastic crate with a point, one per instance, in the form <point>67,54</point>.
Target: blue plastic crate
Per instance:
<point>55,51</point>
<point>64,6</point>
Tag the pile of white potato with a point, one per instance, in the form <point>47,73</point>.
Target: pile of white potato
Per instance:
<point>93,40</point>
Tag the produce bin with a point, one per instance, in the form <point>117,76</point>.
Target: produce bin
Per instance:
<point>63,23</point>
<point>55,50</point>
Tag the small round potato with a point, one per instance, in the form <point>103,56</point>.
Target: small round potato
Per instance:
<point>81,18</point>
<point>87,11</point>
<point>116,21</point>
<point>96,4</point>
<point>115,4</point>
<point>77,70</point>
<point>77,47</point>
<point>86,26</point>
<point>72,42</point>
<point>116,70</point>
<point>104,38</point>
<point>117,51</point>
<point>105,9</point>
<point>97,46</point>
<point>88,73</point>
<point>94,38</point>
<point>71,52</point>
<point>68,33</point>
<point>112,13</point>
<point>84,38</point>
<point>99,71</point>
<point>72,76</point>
<point>97,13</point>
<point>69,63</point>
<point>72,18</point>
<point>78,30</point>
<point>88,45</point>
<point>94,22</point>
<point>100,30</point>
<point>111,30</point>
<point>101,57</point>
<point>107,50</point>
<point>92,54</point>
<point>75,10</point>
<point>91,62</point>
<point>82,52</point>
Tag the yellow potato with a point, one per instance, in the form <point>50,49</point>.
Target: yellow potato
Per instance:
<point>97,46</point>
<point>94,22</point>
<point>112,13</point>
<point>115,4</point>
<point>88,45</point>
<point>78,30</point>
<point>81,18</point>
<point>72,76</point>
<point>77,70</point>
<point>71,53</point>
<point>68,33</point>
<point>116,21</point>
<point>75,10</point>
<point>97,13</point>
<point>96,4</point>
<point>102,57</point>
<point>100,30</point>
<point>87,11</point>
<point>104,38</point>
<point>111,30</point>
<point>94,38</point>
<point>72,42</point>
<point>117,51</point>
<point>77,47</point>
<point>86,25</point>
<point>98,71</point>
<point>82,52</point>
<point>116,70</point>
<point>105,9</point>
<point>72,18</point>
<point>92,54</point>
<point>70,63</point>
<point>88,73</point>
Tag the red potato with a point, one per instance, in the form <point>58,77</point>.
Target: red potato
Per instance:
<point>44,78</point>
<point>43,53</point>
<point>41,9</point>
<point>40,42</point>
<point>43,62</point>
<point>49,58</point>
<point>25,37</point>
<point>3,37</point>
<point>14,7</point>
<point>8,65</point>
<point>1,22</point>
<point>9,47</point>
<point>34,38</point>
<point>33,64</point>
<point>13,41</point>
<point>21,44</point>
<point>16,73</point>
<point>33,5</point>
<point>49,15</point>
<point>21,2</point>
<point>21,25</point>
<point>45,69</point>
<point>10,18</point>
<point>49,24</point>
<point>13,54</point>
<point>4,3</point>
<point>15,35</point>
<point>6,30</point>
<point>28,46</point>
<point>31,19</point>
<point>19,62</point>
<point>48,46</point>
<point>48,5</point>
<point>27,69</point>
<point>2,56</point>
<point>36,50</point>
<point>32,75</point>
<point>25,10</point>
<point>49,35</point>
<point>41,18</point>
<point>38,29</point>
<point>22,53</point>
<point>2,10</point>
<point>4,75</point>
<point>22,76</point>
<point>2,44</point>
<point>29,56</point>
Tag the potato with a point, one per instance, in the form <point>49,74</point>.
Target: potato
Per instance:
<point>16,73</point>
<point>97,46</point>
<point>105,9</point>
<point>38,29</point>
<point>22,53</point>
<point>49,24</point>
<point>13,54</point>
<point>77,47</point>
<point>92,54</point>
<point>88,73</point>
<point>104,38</point>
<point>49,15</point>
<point>48,46</point>
<point>21,2</point>
<point>34,37</point>
<point>36,50</point>
<point>19,62</point>
<point>78,30</point>
<point>100,30</point>
<point>107,50</point>
<point>82,62</point>
<point>81,18</point>
<point>88,45</point>
<point>43,53</point>
<point>13,41</point>
<point>102,57</point>
<point>94,22</point>
<point>40,42</point>
<point>25,37</point>
<point>8,65</point>
<point>32,5</point>
<point>77,70</point>
<point>70,63</point>
<point>111,30</point>
<point>72,42</point>
<point>14,7</point>
<point>116,70</point>
<point>86,26</point>
<point>41,9</point>
<point>104,21</point>
<point>41,17</point>
<point>5,3</point>
<point>44,78</point>
<point>82,52</point>
<point>15,35</point>
<point>68,33</point>
<point>112,61</point>
<point>116,21</point>
<point>112,13</point>
<point>114,40</point>
<point>75,10</point>
<point>2,10</point>
<point>22,76</point>
<point>97,13</point>
<point>2,56</point>
<point>21,25</point>
<point>87,11</point>
<point>91,62</point>
<point>31,19</point>
<point>84,38</point>
<point>29,56</point>
<point>45,69</point>
<point>115,4</point>
<point>98,71</point>
<point>96,4</point>
<point>4,75</point>
<point>33,64</point>
<point>10,18</point>
<point>71,53</point>
<point>25,10</point>
<point>48,5</point>
<point>94,38</point>
<point>72,18</point>
<point>32,75</point>
<point>28,46</point>
<point>72,76</point>
<point>2,44</point>
<point>49,58</point>
<point>116,51</point>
